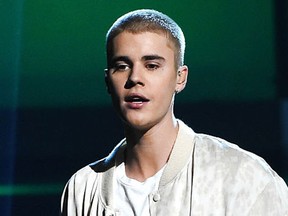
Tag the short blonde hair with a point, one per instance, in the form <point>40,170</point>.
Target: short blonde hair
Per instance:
<point>147,20</point>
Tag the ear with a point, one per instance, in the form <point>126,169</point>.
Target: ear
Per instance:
<point>182,75</point>
<point>107,81</point>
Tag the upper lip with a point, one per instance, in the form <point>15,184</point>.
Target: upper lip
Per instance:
<point>136,97</point>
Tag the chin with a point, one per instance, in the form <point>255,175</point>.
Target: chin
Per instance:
<point>137,124</point>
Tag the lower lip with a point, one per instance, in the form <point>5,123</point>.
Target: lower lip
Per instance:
<point>134,105</point>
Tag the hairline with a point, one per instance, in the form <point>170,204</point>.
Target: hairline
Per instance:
<point>158,23</point>
<point>170,42</point>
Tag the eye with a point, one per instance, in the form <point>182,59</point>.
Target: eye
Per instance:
<point>152,66</point>
<point>121,67</point>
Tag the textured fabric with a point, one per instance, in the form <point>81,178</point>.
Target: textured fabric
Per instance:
<point>205,175</point>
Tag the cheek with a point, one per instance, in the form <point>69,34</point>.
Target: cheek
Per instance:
<point>168,83</point>
<point>166,89</point>
<point>115,85</point>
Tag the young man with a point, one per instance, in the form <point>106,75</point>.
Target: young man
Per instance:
<point>162,167</point>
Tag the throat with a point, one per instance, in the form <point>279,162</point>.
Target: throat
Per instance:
<point>142,163</point>
<point>148,152</point>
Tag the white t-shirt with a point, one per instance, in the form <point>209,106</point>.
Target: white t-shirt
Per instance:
<point>131,196</point>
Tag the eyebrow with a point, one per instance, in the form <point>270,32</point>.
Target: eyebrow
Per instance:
<point>120,58</point>
<point>153,57</point>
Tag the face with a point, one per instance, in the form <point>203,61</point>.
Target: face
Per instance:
<point>143,79</point>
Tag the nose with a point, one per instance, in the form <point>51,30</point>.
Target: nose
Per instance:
<point>135,78</point>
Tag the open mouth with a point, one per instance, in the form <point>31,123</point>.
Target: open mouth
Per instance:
<point>136,99</point>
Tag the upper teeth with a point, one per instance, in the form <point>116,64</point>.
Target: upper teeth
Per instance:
<point>136,99</point>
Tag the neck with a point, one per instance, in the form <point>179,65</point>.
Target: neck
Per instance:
<point>148,151</point>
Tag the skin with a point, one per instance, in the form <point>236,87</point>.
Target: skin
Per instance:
<point>142,83</point>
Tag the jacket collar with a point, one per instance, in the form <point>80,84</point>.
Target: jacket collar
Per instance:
<point>179,157</point>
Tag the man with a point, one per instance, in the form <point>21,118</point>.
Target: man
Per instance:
<point>162,167</point>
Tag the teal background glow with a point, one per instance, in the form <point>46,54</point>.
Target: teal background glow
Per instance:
<point>230,49</point>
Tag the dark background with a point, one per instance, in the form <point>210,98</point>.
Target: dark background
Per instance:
<point>55,114</point>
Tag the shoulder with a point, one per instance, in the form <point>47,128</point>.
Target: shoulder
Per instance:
<point>84,174</point>
<point>82,187</point>
<point>216,154</point>
<point>89,175</point>
<point>87,183</point>
<point>214,149</point>
<point>83,180</point>
<point>244,178</point>
<point>92,171</point>
<point>242,174</point>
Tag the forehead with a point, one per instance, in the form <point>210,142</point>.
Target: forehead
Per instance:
<point>142,43</point>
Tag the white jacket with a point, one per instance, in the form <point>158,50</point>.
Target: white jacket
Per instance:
<point>205,175</point>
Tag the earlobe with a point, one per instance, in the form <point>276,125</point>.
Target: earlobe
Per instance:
<point>182,75</point>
